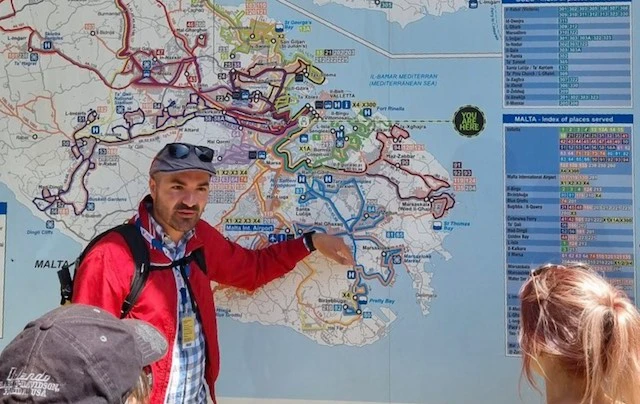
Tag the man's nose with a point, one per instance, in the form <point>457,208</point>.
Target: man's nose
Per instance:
<point>190,199</point>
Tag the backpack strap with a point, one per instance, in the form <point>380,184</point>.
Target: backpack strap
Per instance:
<point>196,255</point>
<point>66,284</point>
<point>64,274</point>
<point>140,253</point>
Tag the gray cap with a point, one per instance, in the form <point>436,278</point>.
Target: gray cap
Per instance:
<point>176,157</point>
<point>77,354</point>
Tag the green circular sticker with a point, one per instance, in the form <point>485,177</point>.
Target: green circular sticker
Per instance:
<point>469,121</point>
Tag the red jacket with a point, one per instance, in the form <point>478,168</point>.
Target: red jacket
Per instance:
<point>104,279</point>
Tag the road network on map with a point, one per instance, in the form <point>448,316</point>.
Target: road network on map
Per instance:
<point>95,104</point>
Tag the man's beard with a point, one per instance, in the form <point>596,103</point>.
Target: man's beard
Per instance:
<point>184,223</point>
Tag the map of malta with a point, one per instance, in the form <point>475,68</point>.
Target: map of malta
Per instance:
<point>439,139</point>
<point>285,165</point>
<point>312,128</point>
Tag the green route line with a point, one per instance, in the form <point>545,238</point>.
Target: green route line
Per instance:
<point>340,154</point>
<point>220,10</point>
<point>285,155</point>
<point>356,137</point>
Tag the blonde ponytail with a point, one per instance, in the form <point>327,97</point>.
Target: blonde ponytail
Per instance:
<point>591,328</point>
<point>597,341</point>
<point>619,366</point>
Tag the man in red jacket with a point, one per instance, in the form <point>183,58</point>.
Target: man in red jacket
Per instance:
<point>179,301</point>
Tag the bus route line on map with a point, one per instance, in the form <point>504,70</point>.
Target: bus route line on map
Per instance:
<point>358,288</point>
<point>84,144</point>
<point>134,66</point>
<point>431,183</point>
<point>263,97</point>
<point>83,140</point>
<point>271,117</point>
<point>367,220</point>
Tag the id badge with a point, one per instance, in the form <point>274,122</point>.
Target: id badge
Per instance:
<point>188,331</point>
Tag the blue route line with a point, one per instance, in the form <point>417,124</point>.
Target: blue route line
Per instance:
<point>321,194</point>
<point>317,190</point>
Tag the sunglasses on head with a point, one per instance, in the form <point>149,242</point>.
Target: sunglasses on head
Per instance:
<point>544,268</point>
<point>182,150</point>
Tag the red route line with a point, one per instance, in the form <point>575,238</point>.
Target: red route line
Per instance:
<point>132,64</point>
<point>13,13</point>
<point>381,137</point>
<point>128,24</point>
<point>401,168</point>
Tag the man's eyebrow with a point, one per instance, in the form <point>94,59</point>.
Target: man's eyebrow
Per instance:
<point>204,184</point>
<point>177,181</point>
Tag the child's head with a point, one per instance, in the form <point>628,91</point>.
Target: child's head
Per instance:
<point>575,320</point>
<point>79,353</point>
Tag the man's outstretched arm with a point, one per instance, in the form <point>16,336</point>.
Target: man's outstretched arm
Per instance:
<point>234,265</point>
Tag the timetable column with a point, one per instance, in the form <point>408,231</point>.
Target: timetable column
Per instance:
<point>596,200</point>
<point>531,60</point>
<point>595,55</point>
<point>532,207</point>
<point>577,54</point>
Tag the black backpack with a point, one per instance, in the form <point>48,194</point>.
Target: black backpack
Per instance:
<point>140,252</point>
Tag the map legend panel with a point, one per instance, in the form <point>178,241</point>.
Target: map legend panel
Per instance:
<point>3,247</point>
<point>568,197</point>
<point>567,54</point>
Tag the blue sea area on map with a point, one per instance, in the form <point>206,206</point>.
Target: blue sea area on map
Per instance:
<point>430,34</point>
<point>29,291</point>
<point>475,30</point>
